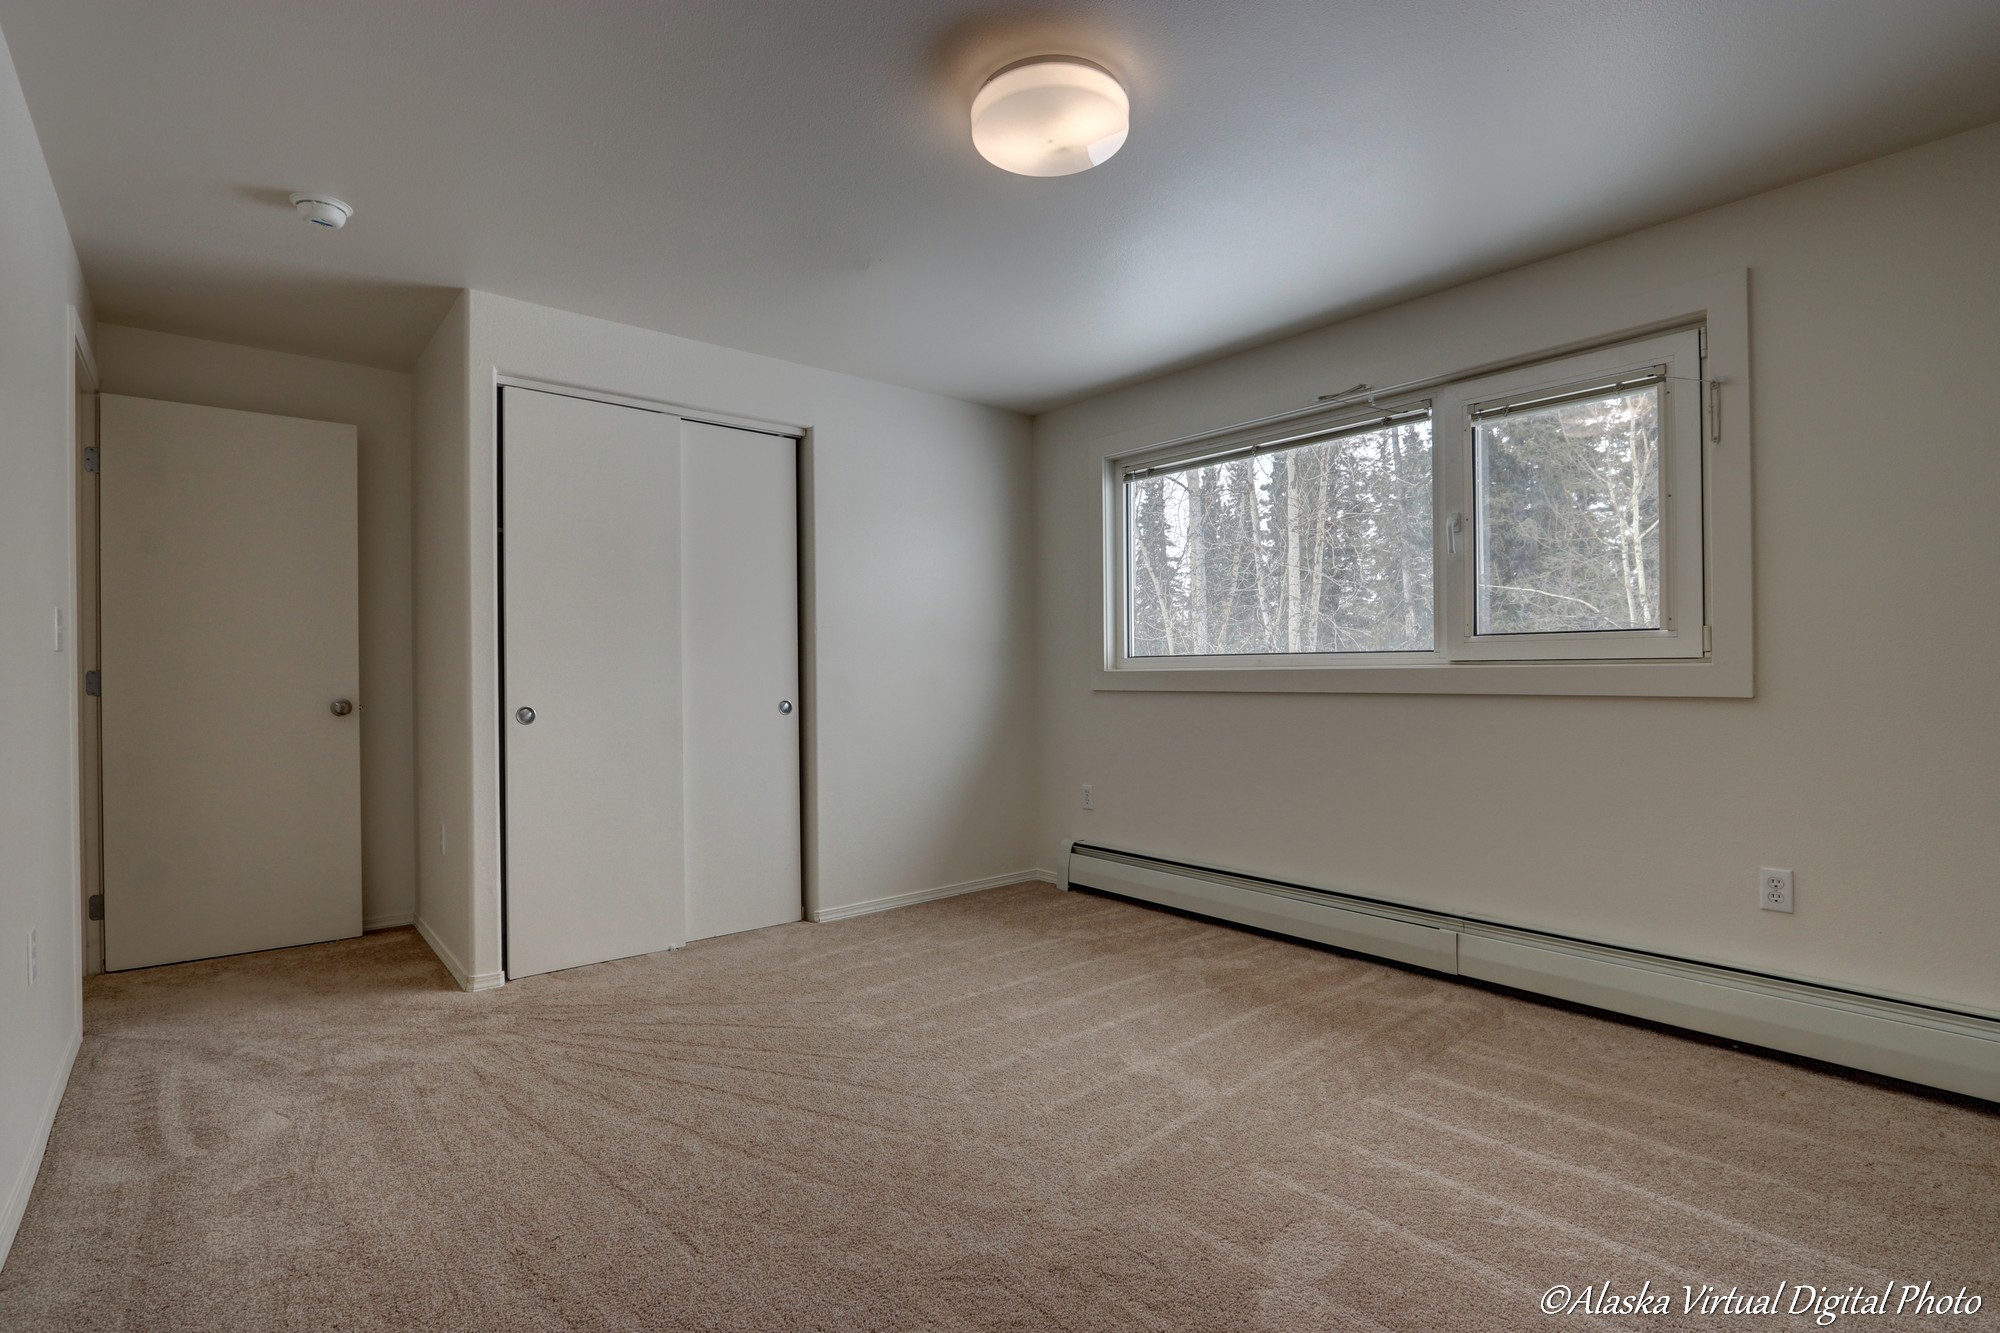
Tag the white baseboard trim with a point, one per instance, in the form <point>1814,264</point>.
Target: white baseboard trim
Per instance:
<point>389,922</point>
<point>24,1179</point>
<point>1904,1038</point>
<point>896,900</point>
<point>466,979</point>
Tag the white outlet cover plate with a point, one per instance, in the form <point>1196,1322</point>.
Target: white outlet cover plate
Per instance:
<point>1774,889</point>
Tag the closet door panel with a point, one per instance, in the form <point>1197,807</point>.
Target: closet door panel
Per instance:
<point>591,681</point>
<point>739,507</point>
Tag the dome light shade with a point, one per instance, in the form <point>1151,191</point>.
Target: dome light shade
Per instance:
<point>1051,116</point>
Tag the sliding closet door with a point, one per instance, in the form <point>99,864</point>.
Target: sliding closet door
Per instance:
<point>739,515</point>
<point>591,688</point>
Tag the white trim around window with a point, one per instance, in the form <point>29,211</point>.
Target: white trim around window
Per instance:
<point>1685,350</point>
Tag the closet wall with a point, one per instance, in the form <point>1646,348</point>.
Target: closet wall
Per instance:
<point>918,541</point>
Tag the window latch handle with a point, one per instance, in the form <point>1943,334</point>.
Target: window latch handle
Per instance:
<point>1451,531</point>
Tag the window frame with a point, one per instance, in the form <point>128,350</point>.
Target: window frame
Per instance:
<point>1710,650</point>
<point>1681,412</point>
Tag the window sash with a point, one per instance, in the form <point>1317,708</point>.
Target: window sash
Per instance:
<point>1131,471</point>
<point>1672,361</point>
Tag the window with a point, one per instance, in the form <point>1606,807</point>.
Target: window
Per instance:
<point>1573,507</point>
<point>1531,530</point>
<point>1569,512</point>
<point>1313,545</point>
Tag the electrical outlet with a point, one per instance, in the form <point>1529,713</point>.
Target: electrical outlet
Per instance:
<point>34,959</point>
<point>1089,801</point>
<point>1774,889</point>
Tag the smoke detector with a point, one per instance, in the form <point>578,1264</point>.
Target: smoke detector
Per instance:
<point>322,210</point>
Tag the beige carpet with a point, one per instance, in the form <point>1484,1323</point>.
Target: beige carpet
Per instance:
<point>1016,1110</point>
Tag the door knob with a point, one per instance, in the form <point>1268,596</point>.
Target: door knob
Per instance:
<point>784,705</point>
<point>524,715</point>
<point>340,708</point>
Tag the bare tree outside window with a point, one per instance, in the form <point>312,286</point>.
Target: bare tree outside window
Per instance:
<point>1322,548</point>
<point>1569,516</point>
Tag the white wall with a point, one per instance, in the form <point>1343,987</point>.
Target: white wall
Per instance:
<point>40,1023</point>
<point>446,891</point>
<point>145,364</point>
<point>919,528</point>
<point>1865,762</point>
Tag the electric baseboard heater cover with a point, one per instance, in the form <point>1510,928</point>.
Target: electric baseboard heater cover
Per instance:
<point>1931,1045</point>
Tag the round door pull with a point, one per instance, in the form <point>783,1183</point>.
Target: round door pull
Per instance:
<point>784,705</point>
<point>340,708</point>
<point>524,715</point>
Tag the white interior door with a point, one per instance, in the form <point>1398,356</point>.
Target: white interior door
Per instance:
<point>739,539</point>
<point>228,629</point>
<point>591,689</point>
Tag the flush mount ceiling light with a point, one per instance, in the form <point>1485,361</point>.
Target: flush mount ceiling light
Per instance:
<point>322,210</point>
<point>1050,116</point>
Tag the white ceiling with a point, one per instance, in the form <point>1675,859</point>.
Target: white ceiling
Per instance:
<point>795,177</point>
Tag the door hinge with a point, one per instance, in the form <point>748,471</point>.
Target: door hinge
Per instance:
<point>96,907</point>
<point>90,459</point>
<point>93,684</point>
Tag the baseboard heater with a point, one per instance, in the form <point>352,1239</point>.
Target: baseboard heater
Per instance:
<point>1936,1046</point>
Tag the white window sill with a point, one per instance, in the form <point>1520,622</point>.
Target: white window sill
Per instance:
<point>1714,677</point>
